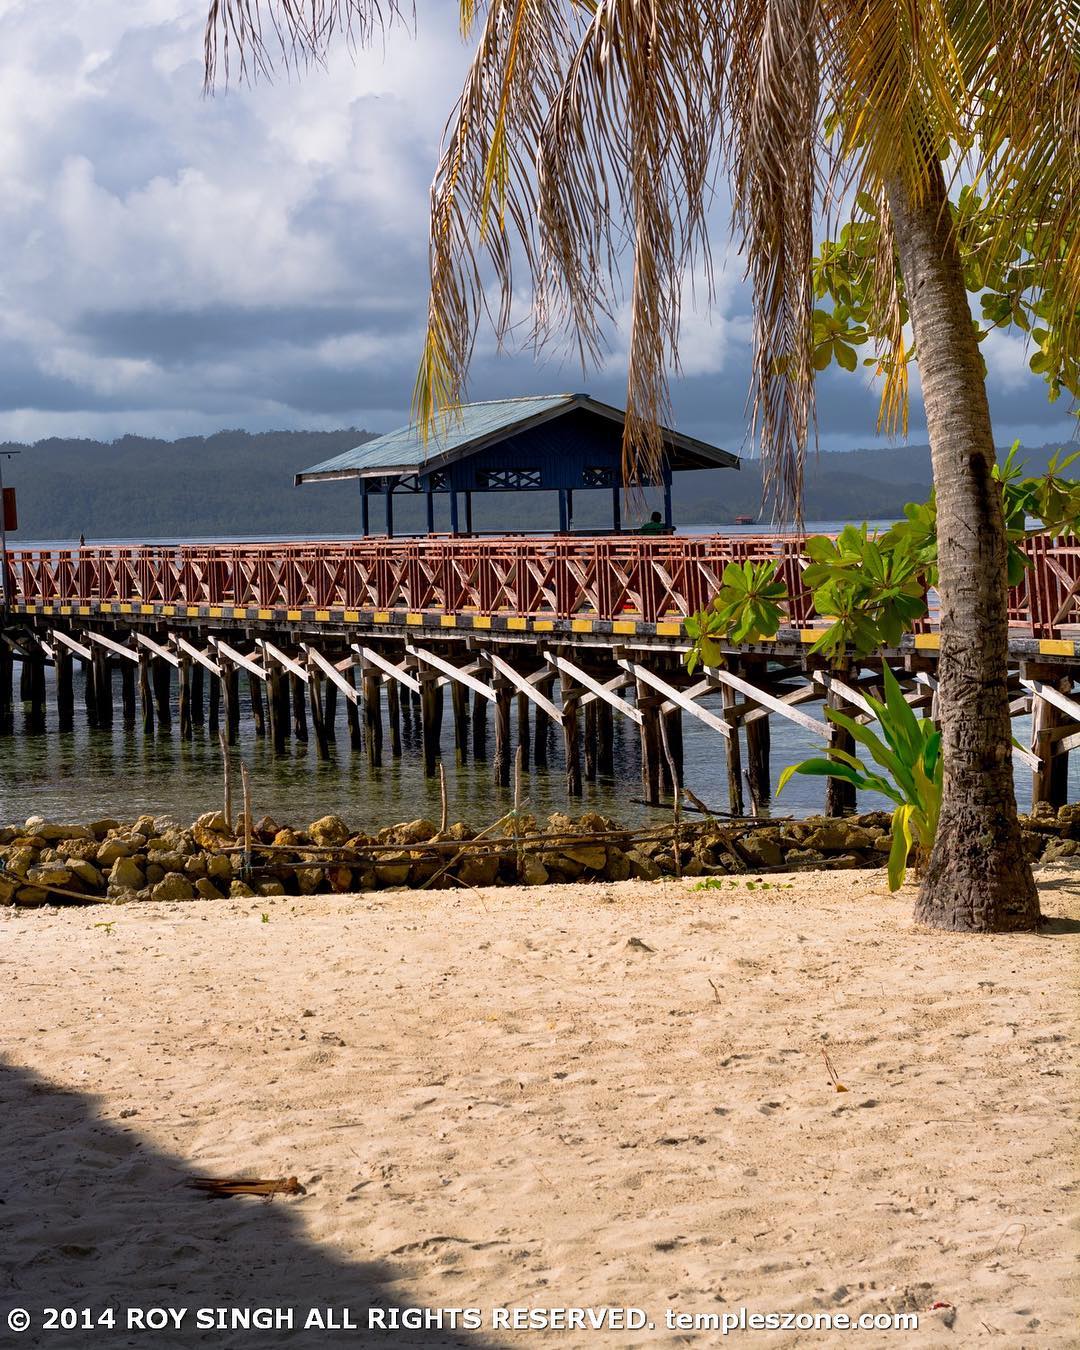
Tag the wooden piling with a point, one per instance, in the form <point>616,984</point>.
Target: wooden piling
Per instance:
<point>459,704</point>
<point>298,694</point>
<point>430,720</point>
<point>591,737</point>
<point>230,683</point>
<point>186,732</point>
<point>318,725</point>
<point>352,714</point>
<point>65,689</point>
<point>605,734</point>
<point>7,718</point>
<point>277,696</point>
<point>34,665</point>
<point>330,711</point>
<point>1050,781</point>
<point>839,794</point>
<point>393,717</point>
<point>258,716</point>
<point>501,763</point>
<point>736,803</point>
<point>145,696</point>
<point>373,718</point>
<point>758,745</point>
<point>649,705</point>
<point>523,737</point>
<point>672,737</point>
<point>127,692</point>
<point>103,699</point>
<point>542,724</point>
<point>479,726</point>
<point>571,702</point>
<point>213,709</point>
<point>162,681</point>
<point>198,710</point>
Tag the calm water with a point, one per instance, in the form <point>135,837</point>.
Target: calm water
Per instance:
<point>84,774</point>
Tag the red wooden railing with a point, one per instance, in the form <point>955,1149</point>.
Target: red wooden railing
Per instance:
<point>559,577</point>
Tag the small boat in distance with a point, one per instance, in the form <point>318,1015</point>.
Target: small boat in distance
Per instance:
<point>746,520</point>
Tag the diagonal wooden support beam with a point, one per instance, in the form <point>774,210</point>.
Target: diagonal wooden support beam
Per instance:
<point>332,673</point>
<point>525,685</point>
<point>238,658</point>
<point>676,696</point>
<point>775,705</point>
<point>72,645</point>
<point>1054,697</point>
<point>841,687</point>
<point>188,649</point>
<point>158,649</point>
<point>276,654</point>
<point>594,687</point>
<point>452,672</point>
<point>398,673</point>
<point>117,648</point>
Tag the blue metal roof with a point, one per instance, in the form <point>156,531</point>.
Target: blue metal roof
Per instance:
<point>473,426</point>
<point>469,424</point>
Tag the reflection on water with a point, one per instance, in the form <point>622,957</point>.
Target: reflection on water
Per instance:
<point>119,773</point>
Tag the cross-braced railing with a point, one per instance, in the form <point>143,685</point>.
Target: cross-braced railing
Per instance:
<point>648,578</point>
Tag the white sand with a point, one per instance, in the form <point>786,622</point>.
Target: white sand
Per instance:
<point>493,1100</point>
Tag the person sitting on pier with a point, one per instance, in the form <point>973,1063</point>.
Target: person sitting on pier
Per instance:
<point>655,525</point>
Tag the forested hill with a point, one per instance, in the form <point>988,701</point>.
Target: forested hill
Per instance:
<point>234,483</point>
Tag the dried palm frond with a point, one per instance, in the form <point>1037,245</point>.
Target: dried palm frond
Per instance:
<point>587,140</point>
<point>223,1187</point>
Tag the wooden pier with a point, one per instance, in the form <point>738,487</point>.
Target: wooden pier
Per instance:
<point>531,633</point>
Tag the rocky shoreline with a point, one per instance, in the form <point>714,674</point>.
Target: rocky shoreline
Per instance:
<point>152,858</point>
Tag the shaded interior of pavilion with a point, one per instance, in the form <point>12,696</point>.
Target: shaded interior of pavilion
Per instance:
<point>557,448</point>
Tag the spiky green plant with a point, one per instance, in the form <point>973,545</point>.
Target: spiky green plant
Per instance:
<point>909,751</point>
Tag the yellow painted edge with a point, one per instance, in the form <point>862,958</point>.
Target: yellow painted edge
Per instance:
<point>322,616</point>
<point>668,629</point>
<point>126,609</point>
<point>239,612</point>
<point>448,620</point>
<point>46,609</point>
<point>516,624</point>
<point>811,634</point>
<point>146,609</point>
<point>65,609</point>
<point>192,611</point>
<point>581,625</point>
<point>481,621</point>
<point>352,616</point>
<point>381,616</point>
<point>624,626</point>
<point>292,615</point>
<point>31,607</point>
<point>414,619</point>
<point>266,613</point>
<point>84,609</point>
<point>927,642</point>
<point>543,625</point>
<point>215,612</point>
<point>1056,647</point>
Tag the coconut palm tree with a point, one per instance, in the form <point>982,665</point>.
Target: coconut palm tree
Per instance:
<point>585,150</point>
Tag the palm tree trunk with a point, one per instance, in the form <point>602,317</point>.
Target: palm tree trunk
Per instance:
<point>978,878</point>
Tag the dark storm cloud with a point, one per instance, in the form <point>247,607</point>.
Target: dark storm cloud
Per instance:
<point>179,337</point>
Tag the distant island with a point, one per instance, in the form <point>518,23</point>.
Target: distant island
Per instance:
<point>236,483</point>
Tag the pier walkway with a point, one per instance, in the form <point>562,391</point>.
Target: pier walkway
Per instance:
<point>574,629</point>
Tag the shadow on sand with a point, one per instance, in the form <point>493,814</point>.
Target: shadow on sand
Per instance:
<point>91,1215</point>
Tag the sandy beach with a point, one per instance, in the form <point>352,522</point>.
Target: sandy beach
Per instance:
<point>575,1096</point>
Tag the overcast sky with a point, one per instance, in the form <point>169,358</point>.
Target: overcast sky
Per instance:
<point>171,264</point>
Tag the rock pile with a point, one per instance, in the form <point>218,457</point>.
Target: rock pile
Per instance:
<point>153,858</point>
